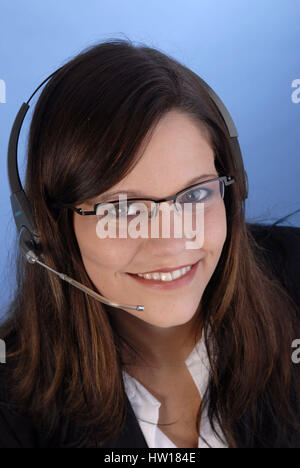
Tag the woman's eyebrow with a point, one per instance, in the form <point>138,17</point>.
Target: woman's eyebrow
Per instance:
<point>109,195</point>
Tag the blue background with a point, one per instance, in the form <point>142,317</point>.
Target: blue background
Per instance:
<point>247,51</point>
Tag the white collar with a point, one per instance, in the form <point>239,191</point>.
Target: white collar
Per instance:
<point>146,406</point>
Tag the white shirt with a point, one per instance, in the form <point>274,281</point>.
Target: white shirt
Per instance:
<point>146,406</point>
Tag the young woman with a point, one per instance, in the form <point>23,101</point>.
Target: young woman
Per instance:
<point>207,363</point>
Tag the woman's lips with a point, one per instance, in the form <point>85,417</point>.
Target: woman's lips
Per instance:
<point>167,285</point>
<point>165,269</point>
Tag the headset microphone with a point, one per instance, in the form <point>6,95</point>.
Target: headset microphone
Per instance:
<point>32,258</point>
<point>29,239</point>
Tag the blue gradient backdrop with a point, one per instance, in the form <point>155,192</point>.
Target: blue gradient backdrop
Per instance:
<point>248,51</point>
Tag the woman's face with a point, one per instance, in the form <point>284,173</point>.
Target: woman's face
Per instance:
<point>177,152</point>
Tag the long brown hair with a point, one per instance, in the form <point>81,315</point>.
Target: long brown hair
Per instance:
<point>86,134</point>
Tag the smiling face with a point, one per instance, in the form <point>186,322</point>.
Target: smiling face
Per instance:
<point>178,150</point>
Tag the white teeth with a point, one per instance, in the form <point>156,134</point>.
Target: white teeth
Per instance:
<point>176,274</point>
<point>165,277</point>
<point>170,276</point>
<point>156,276</point>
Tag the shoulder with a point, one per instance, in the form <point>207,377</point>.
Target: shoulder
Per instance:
<point>280,242</point>
<point>280,247</point>
<point>16,429</point>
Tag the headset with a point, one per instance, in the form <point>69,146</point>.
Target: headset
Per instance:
<point>29,239</point>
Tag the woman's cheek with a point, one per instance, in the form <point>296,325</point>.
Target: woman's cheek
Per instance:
<point>112,254</point>
<point>215,229</point>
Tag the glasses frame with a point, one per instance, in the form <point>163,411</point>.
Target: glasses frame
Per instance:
<point>226,180</point>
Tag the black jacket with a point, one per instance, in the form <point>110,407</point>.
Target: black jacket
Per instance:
<point>17,430</point>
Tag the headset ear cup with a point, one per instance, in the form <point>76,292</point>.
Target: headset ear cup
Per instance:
<point>30,245</point>
<point>240,165</point>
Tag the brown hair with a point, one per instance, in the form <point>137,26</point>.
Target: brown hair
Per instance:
<point>88,127</point>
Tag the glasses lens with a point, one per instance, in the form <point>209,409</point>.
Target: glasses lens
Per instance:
<point>125,211</point>
<point>208,193</point>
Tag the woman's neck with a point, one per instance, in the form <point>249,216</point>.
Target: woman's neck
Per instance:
<point>157,347</point>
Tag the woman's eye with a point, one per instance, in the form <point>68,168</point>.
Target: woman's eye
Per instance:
<point>132,209</point>
<point>196,195</point>
<point>121,210</point>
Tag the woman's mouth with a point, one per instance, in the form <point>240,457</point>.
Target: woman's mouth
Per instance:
<point>167,279</point>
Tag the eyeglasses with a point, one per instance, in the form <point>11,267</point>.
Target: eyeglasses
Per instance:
<point>208,193</point>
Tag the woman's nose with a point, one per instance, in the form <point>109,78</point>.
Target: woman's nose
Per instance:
<point>167,233</point>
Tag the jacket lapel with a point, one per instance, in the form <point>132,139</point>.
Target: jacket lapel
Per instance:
<point>131,436</point>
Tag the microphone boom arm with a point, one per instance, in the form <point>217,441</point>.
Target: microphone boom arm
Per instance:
<point>34,259</point>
